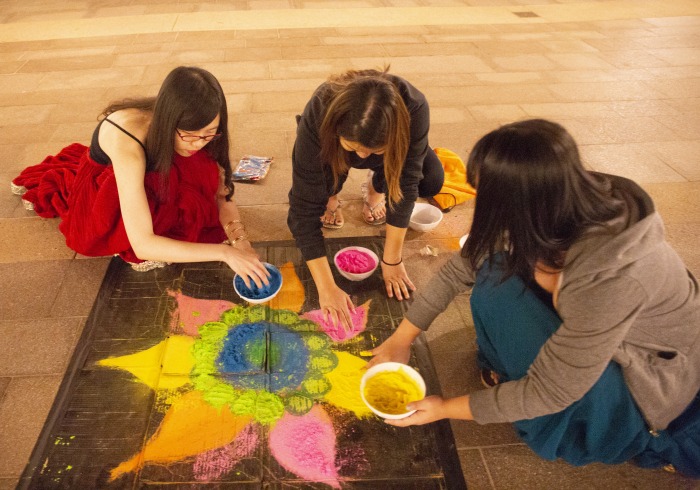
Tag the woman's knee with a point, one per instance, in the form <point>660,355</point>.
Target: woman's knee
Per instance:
<point>433,175</point>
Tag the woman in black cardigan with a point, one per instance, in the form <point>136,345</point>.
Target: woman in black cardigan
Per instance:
<point>371,120</point>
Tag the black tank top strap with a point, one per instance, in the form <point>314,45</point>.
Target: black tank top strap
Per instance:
<point>97,153</point>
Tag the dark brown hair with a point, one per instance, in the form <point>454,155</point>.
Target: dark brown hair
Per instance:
<point>533,196</point>
<point>366,107</point>
<point>189,99</point>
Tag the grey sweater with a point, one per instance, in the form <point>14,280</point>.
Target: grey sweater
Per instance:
<point>625,296</point>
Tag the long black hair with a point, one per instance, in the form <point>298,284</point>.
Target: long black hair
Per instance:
<point>534,198</point>
<point>189,99</point>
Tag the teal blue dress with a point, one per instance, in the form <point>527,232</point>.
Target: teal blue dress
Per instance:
<point>513,320</point>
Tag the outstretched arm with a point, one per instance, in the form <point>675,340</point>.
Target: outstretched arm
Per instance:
<point>129,163</point>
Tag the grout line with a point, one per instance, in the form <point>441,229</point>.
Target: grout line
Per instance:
<point>486,468</point>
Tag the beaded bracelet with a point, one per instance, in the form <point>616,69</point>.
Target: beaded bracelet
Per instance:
<point>387,263</point>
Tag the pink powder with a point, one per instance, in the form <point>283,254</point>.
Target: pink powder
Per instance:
<point>191,313</point>
<point>337,332</point>
<point>305,445</point>
<point>211,465</point>
<point>355,261</point>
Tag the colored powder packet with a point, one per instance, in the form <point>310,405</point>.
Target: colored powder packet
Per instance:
<point>252,168</point>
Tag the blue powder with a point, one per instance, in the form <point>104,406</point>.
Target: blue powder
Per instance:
<point>255,292</point>
<point>255,352</point>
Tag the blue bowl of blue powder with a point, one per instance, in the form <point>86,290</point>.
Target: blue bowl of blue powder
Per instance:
<point>257,295</point>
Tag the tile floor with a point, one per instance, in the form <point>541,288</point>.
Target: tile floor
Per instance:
<point>623,76</point>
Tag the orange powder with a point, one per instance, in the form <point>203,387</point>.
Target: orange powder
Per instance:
<point>391,391</point>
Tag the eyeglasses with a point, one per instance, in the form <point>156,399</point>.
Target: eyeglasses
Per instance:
<point>191,138</point>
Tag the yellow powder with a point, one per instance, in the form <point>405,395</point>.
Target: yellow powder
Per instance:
<point>391,391</point>
<point>172,353</point>
<point>345,384</point>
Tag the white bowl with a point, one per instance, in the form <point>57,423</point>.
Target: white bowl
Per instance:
<point>252,296</point>
<point>356,276</point>
<point>463,240</point>
<point>391,367</point>
<point>425,217</point>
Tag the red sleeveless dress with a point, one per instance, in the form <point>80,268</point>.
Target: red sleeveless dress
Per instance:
<point>83,193</point>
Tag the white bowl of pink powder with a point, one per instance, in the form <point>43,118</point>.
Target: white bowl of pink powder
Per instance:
<point>356,263</point>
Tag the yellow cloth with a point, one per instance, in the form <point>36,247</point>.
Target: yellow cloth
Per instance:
<point>455,180</point>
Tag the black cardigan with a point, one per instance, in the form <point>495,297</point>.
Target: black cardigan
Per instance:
<point>312,179</point>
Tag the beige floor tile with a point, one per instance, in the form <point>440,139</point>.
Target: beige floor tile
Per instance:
<point>318,69</point>
<point>77,291</point>
<point>253,54</point>
<point>4,383</point>
<point>8,483</point>
<point>270,143</point>
<point>523,77</point>
<point>23,410</point>
<point>281,101</point>
<point>70,96</point>
<point>80,132</point>
<point>10,67</point>
<point>274,217</point>
<point>144,57</point>
<point>91,78</point>
<point>83,111</point>
<point>474,469</point>
<point>519,467</point>
<point>67,64</point>
<point>497,112</point>
<point>684,239</point>
<point>22,115</point>
<point>587,92</point>
<point>273,86</point>
<point>385,39</point>
<point>39,238</point>
<point>684,126</point>
<point>578,61</point>
<point>574,109</point>
<point>27,134</point>
<point>346,51</point>
<point>630,161</point>
<point>567,46</point>
<point>26,354</point>
<point>18,83</point>
<point>632,108</point>
<point>682,156</point>
<point>678,56</point>
<point>632,59</point>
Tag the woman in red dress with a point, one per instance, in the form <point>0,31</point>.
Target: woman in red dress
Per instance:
<point>154,185</point>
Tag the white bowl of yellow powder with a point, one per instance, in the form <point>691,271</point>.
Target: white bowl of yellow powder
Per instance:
<point>388,387</point>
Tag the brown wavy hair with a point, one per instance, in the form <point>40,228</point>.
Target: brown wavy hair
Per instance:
<point>189,99</point>
<point>366,107</point>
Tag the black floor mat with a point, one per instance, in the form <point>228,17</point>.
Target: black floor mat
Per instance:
<point>103,416</point>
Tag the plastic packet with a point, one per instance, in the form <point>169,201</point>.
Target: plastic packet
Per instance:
<point>429,250</point>
<point>252,168</point>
